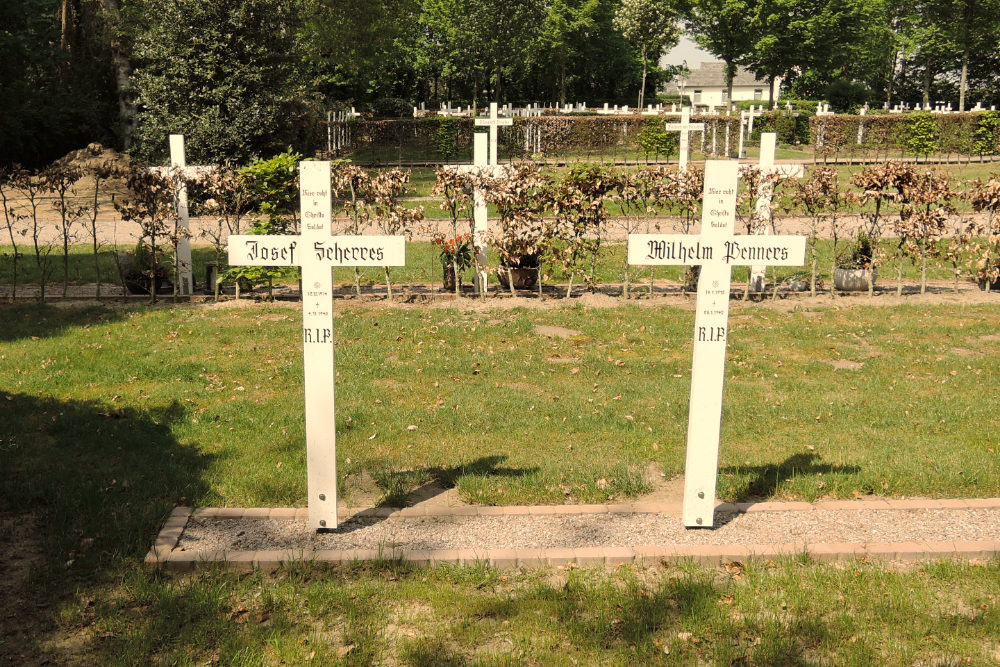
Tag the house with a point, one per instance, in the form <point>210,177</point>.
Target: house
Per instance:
<point>706,85</point>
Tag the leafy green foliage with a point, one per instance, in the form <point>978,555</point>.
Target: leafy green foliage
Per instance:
<point>56,92</point>
<point>922,135</point>
<point>221,73</point>
<point>987,134</point>
<point>655,141</point>
<point>446,139</point>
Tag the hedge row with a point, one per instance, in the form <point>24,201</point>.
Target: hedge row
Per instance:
<point>592,138</point>
<point>914,134</point>
<point>597,137</point>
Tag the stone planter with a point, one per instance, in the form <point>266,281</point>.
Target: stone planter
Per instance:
<point>449,279</point>
<point>993,286</point>
<point>524,277</point>
<point>853,280</point>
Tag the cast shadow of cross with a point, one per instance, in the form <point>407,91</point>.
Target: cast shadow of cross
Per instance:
<point>751,483</point>
<point>398,485</point>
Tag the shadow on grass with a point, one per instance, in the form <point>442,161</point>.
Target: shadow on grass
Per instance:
<point>402,488</point>
<point>760,482</point>
<point>40,321</point>
<point>84,486</point>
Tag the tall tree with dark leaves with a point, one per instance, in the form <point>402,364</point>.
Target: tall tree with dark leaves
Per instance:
<point>223,73</point>
<point>722,27</point>
<point>503,30</point>
<point>567,26</point>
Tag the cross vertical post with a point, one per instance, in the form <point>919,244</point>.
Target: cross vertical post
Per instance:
<point>685,127</point>
<point>317,348</point>
<point>480,215</point>
<point>764,194</point>
<point>717,250</point>
<point>185,271</point>
<point>480,166</point>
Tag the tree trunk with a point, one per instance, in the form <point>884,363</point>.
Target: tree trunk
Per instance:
<point>642,89</point>
<point>770,92</point>
<point>963,81</point>
<point>967,16</point>
<point>562,85</point>
<point>123,71</point>
<point>927,82</point>
<point>730,75</point>
<point>891,78</point>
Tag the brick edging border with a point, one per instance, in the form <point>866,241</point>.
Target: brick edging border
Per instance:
<point>162,553</point>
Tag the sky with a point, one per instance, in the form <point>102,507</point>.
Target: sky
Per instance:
<point>686,50</point>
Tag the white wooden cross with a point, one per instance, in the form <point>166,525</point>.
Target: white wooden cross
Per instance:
<point>685,127</point>
<point>717,250</point>
<point>765,191</point>
<point>494,122</point>
<point>316,251</point>
<point>746,118</point>
<point>480,211</point>
<point>179,170</point>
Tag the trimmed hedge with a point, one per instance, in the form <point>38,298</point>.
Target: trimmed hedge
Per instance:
<point>914,134</point>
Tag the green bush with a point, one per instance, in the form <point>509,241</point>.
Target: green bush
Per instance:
<point>986,136</point>
<point>922,134</point>
<point>653,139</point>
<point>446,139</point>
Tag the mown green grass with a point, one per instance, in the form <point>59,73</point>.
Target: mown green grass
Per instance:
<point>789,612</point>
<point>110,416</point>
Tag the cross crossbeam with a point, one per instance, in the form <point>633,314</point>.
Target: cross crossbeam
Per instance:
<point>685,127</point>
<point>494,122</point>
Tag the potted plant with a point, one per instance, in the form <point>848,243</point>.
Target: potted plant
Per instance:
<point>456,255</point>
<point>856,271</point>
<point>141,272</point>
<point>520,194</point>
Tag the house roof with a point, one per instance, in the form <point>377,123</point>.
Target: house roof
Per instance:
<point>713,74</point>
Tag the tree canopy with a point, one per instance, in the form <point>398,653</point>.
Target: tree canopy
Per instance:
<point>244,78</point>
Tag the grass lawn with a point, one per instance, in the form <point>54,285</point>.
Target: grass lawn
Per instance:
<point>110,416</point>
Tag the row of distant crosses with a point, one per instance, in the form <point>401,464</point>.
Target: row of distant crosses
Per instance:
<point>317,251</point>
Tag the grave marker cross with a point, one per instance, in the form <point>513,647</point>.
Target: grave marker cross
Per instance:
<point>746,122</point>
<point>479,210</point>
<point>685,127</point>
<point>316,251</point>
<point>178,169</point>
<point>494,122</point>
<point>717,250</point>
<point>764,194</point>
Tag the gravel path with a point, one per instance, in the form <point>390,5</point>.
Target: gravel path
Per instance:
<point>815,526</point>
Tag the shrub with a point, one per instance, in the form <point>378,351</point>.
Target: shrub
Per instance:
<point>922,134</point>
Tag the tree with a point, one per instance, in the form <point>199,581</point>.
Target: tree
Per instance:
<point>565,29</point>
<point>363,51</point>
<point>503,30</point>
<point>649,26</point>
<point>722,28</point>
<point>55,83</point>
<point>224,74</point>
